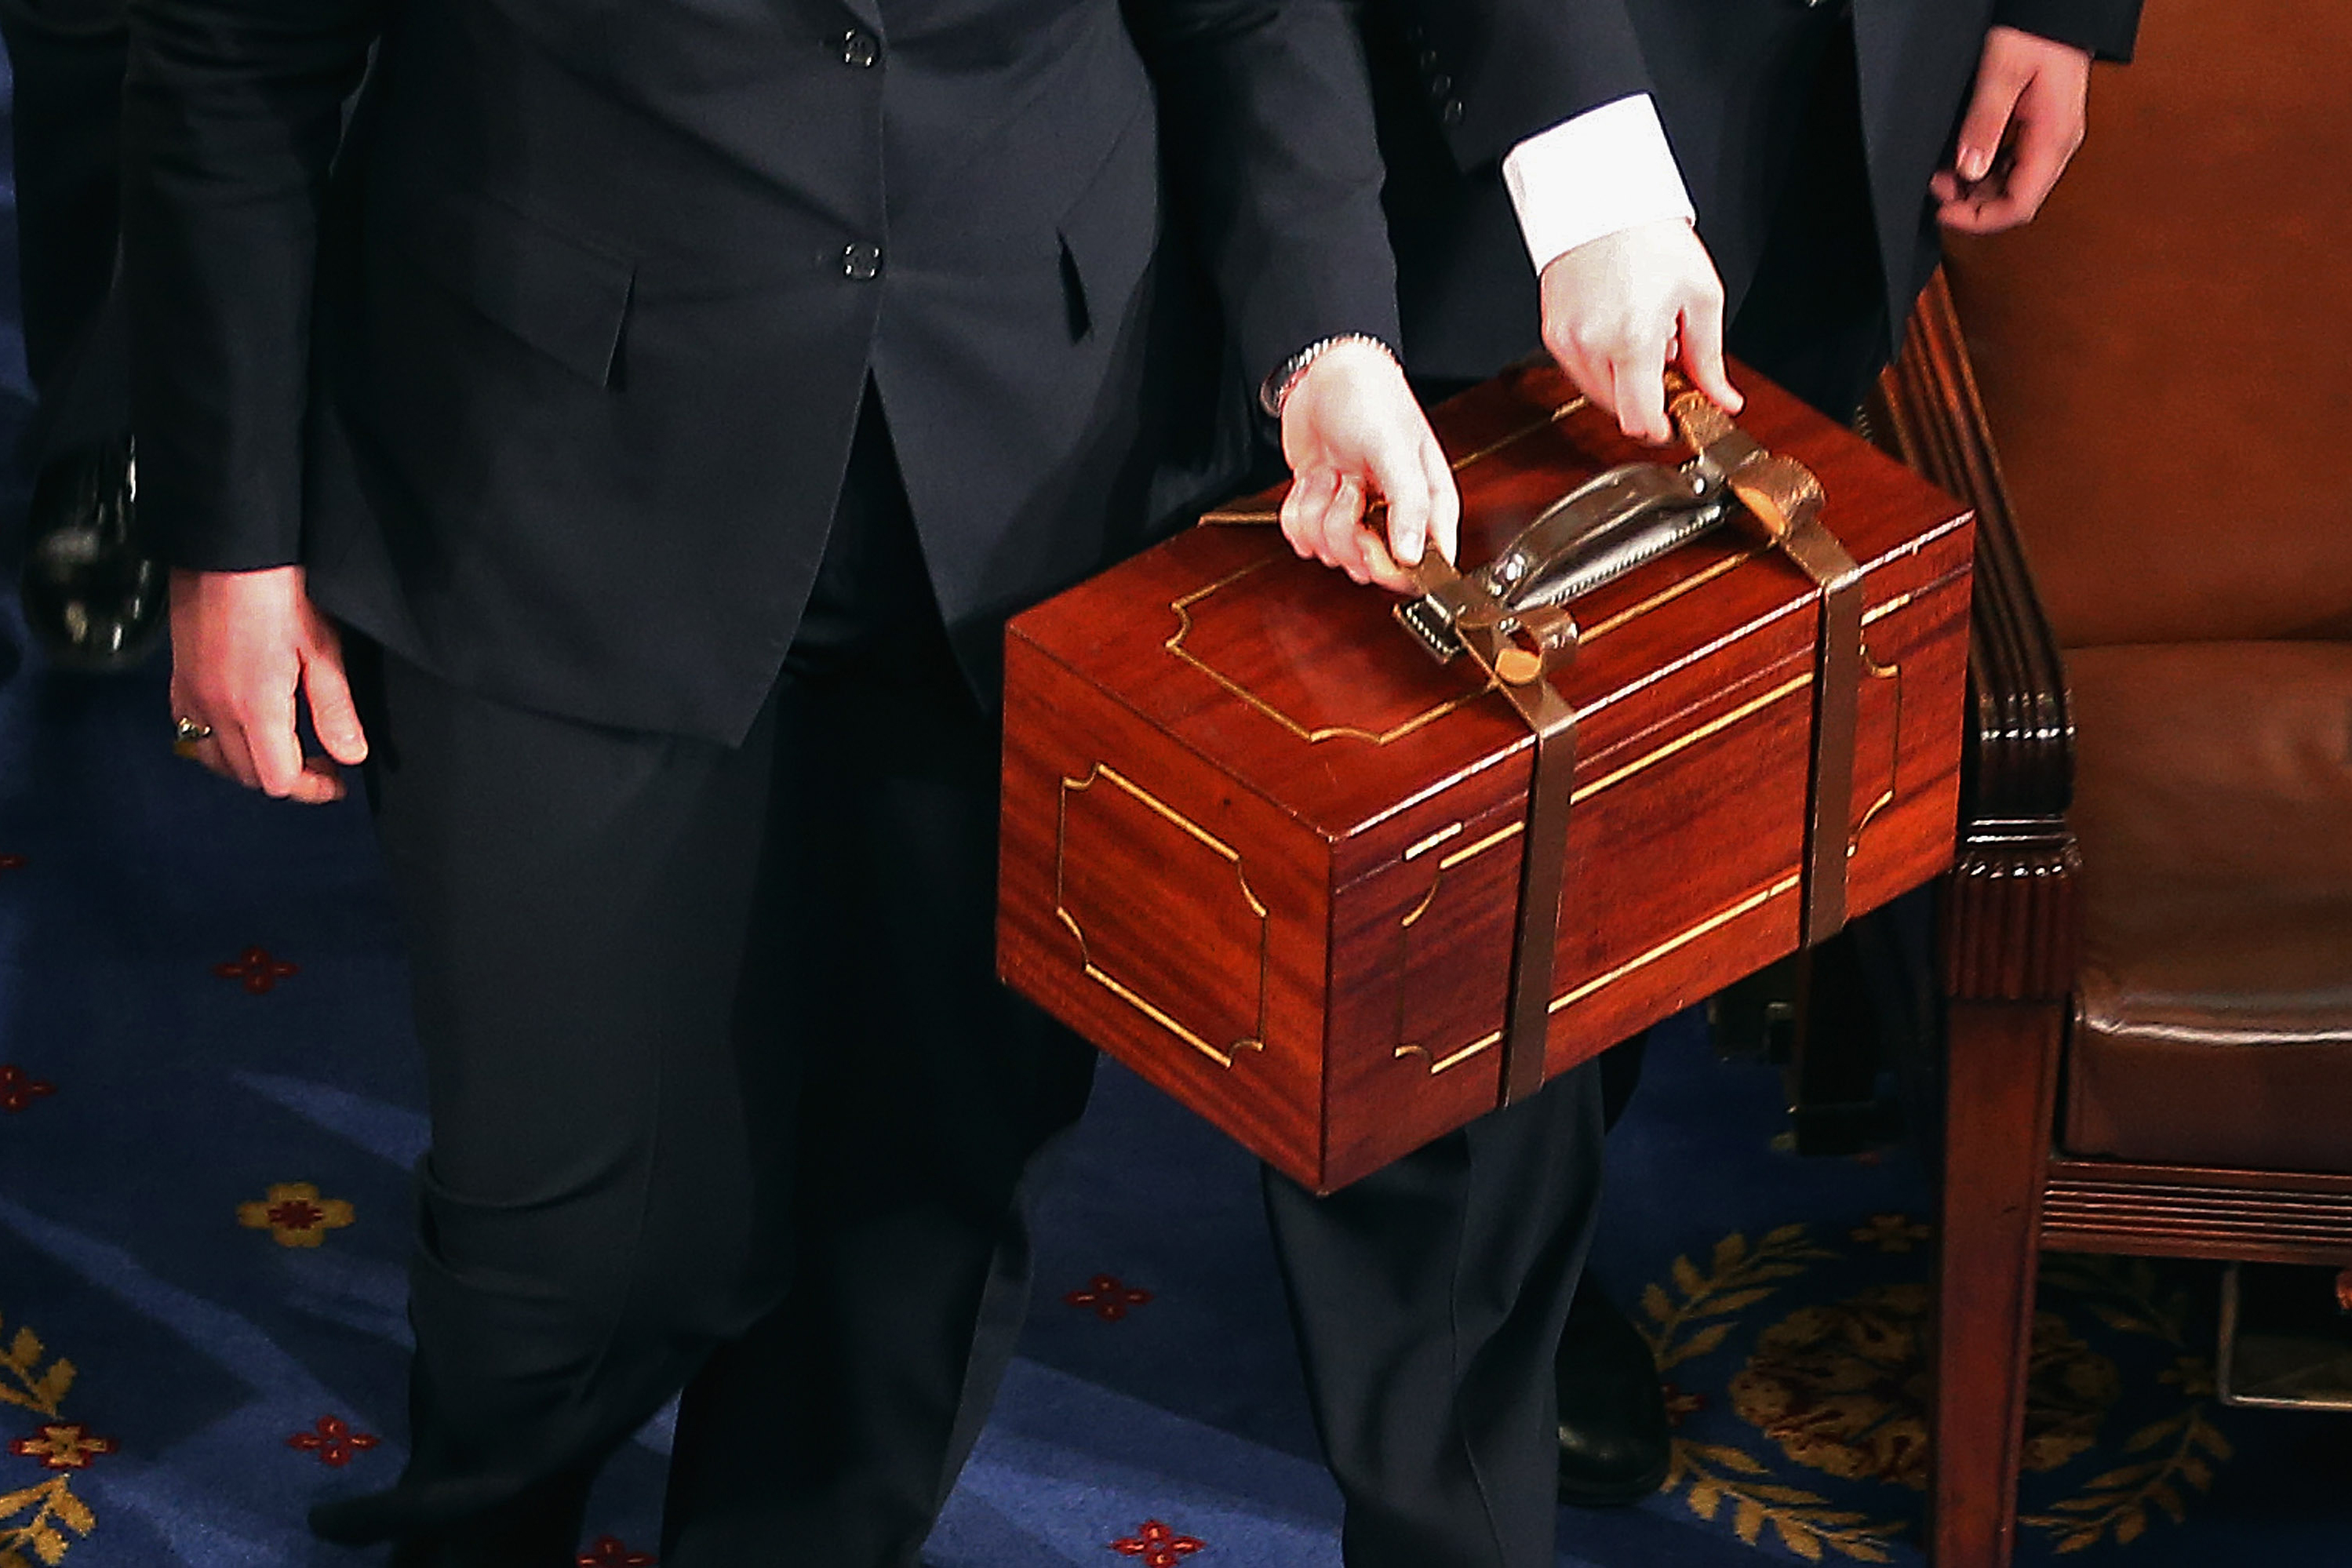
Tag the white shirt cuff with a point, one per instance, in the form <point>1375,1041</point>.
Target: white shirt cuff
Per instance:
<point>1607,169</point>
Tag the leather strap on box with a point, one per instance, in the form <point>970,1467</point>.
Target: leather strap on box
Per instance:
<point>1543,861</point>
<point>1784,498</point>
<point>1837,690</point>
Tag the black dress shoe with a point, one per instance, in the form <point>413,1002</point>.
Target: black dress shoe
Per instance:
<point>93,600</point>
<point>1613,1440</point>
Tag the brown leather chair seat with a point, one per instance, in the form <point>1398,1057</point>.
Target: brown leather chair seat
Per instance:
<point>2213,802</point>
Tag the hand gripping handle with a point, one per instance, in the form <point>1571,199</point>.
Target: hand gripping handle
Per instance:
<point>1512,617</point>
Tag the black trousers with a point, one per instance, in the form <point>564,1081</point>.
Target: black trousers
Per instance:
<point>1428,1300</point>
<point>725,1094</point>
<point>66,60</point>
<point>1429,1297</point>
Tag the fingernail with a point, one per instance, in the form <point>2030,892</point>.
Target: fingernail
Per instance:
<point>1974,162</point>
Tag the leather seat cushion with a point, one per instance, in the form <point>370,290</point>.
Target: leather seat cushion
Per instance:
<point>2213,801</point>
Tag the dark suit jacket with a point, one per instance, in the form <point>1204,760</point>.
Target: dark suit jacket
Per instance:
<point>1464,80</point>
<point>547,369</point>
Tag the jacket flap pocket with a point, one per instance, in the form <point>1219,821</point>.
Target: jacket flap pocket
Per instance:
<point>563,295</point>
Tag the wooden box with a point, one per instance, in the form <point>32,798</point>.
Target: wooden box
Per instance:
<point>1261,847</point>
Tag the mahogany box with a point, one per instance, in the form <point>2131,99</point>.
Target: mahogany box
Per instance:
<point>1263,849</point>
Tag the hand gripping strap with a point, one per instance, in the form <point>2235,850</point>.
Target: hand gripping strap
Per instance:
<point>1784,498</point>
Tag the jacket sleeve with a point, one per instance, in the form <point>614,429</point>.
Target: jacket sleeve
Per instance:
<point>232,111</point>
<point>2108,28</point>
<point>1498,71</point>
<point>1267,132</point>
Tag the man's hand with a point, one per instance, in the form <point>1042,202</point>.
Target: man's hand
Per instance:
<point>2025,120</point>
<point>1352,432</point>
<point>1619,309</point>
<point>245,646</point>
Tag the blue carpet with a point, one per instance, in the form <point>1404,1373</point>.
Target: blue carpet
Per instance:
<point>209,1101</point>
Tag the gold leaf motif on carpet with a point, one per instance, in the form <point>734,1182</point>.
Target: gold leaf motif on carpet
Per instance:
<point>40,1522</point>
<point>1839,1390</point>
<point>25,1382</point>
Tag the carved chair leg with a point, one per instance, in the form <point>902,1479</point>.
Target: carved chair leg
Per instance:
<point>2001,1077</point>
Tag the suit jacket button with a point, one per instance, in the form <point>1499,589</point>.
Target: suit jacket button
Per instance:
<point>1441,88</point>
<point>861,261</point>
<point>1449,113</point>
<point>860,48</point>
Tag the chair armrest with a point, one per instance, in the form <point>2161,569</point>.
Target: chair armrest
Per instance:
<point>2011,931</point>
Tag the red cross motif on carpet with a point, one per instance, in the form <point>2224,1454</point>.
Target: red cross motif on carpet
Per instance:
<point>63,1446</point>
<point>19,1088</point>
<point>610,1552</point>
<point>12,862</point>
<point>1109,1297</point>
<point>1157,1545</point>
<point>333,1441</point>
<point>257,970</point>
<point>295,1215</point>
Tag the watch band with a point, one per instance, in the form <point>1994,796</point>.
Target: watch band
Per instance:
<point>1274,392</point>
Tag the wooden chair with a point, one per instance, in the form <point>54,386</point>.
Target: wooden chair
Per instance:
<point>2146,942</point>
